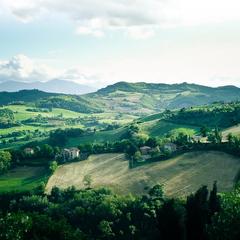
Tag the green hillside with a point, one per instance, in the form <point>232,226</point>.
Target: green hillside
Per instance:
<point>73,103</point>
<point>105,112</point>
<point>20,124</point>
<point>136,99</point>
<point>23,96</point>
<point>218,114</point>
<point>163,127</point>
<point>36,98</point>
<point>98,137</point>
<point>187,120</point>
<point>145,98</point>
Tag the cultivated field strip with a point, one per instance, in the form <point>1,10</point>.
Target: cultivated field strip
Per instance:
<point>180,176</point>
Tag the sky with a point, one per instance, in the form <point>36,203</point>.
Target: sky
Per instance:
<point>100,42</point>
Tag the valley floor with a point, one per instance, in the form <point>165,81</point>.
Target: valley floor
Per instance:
<point>180,176</point>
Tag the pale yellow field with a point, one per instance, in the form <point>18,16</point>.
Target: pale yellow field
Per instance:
<point>180,176</point>
<point>235,130</point>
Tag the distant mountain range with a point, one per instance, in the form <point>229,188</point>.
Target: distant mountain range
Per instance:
<point>56,86</point>
<point>142,98</point>
<point>138,99</point>
<point>143,87</point>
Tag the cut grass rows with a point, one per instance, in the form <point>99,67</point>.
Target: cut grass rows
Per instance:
<point>180,176</point>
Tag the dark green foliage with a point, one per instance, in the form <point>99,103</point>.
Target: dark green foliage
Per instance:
<point>156,192</point>
<point>214,200</point>
<point>182,139</point>
<point>219,114</point>
<point>98,214</point>
<point>197,214</point>
<point>131,148</point>
<point>73,103</point>
<point>53,166</point>
<point>6,114</point>
<point>60,137</point>
<point>151,142</point>
<point>42,155</point>
<point>23,96</point>
<point>171,220</point>
<point>5,161</point>
<point>215,136</point>
<point>33,203</point>
<point>44,227</point>
<point>42,110</point>
<point>46,151</point>
<point>14,226</point>
<point>7,118</point>
<point>204,131</point>
<point>131,130</point>
<point>225,224</point>
<point>127,146</point>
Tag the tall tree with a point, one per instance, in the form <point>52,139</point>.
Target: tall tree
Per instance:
<point>171,221</point>
<point>214,200</point>
<point>197,215</point>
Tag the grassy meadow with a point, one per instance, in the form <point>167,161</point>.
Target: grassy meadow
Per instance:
<point>23,179</point>
<point>158,128</point>
<point>97,137</point>
<point>155,128</point>
<point>59,118</point>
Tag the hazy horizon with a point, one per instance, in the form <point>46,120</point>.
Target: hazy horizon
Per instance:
<point>98,44</point>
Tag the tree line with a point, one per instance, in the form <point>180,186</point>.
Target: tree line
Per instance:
<point>100,214</point>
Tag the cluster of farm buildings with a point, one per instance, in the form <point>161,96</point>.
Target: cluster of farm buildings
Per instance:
<point>67,154</point>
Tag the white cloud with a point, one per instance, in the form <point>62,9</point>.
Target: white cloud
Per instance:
<point>83,75</point>
<point>94,17</point>
<point>167,69</point>
<point>89,31</point>
<point>224,81</point>
<point>140,32</point>
<point>22,68</point>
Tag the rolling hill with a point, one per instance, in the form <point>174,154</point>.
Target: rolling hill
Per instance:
<point>146,98</point>
<point>136,99</point>
<point>27,96</point>
<point>181,175</point>
<point>224,116</point>
<point>36,98</point>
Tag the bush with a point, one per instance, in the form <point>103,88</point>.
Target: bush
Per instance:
<point>53,166</point>
<point>5,161</point>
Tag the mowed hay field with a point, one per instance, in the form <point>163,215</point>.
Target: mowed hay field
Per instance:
<point>180,176</point>
<point>235,130</point>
